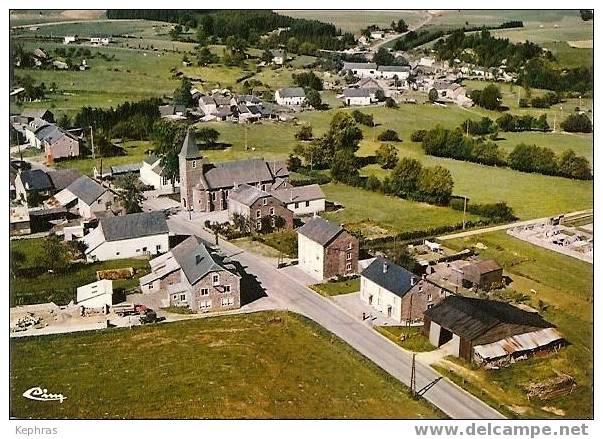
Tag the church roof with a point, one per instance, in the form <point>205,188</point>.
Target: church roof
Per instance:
<point>189,147</point>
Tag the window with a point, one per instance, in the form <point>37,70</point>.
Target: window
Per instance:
<point>273,221</point>
<point>226,289</point>
<point>158,247</point>
<point>204,292</point>
<point>227,301</point>
<point>205,304</point>
<point>215,279</point>
<point>263,187</point>
<point>99,201</point>
<point>194,164</point>
<point>258,214</point>
<point>350,246</point>
<point>150,286</point>
<point>183,297</point>
<point>307,204</point>
<point>265,201</point>
<point>144,249</point>
<point>348,266</point>
<point>116,253</point>
<point>258,225</point>
<point>429,297</point>
<point>296,205</point>
<point>272,211</point>
<point>349,257</point>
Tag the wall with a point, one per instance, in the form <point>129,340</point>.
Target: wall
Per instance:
<point>314,206</point>
<point>434,333</point>
<point>216,293</point>
<point>358,101</point>
<point>63,148</point>
<point>311,256</point>
<point>335,262</point>
<point>381,299</point>
<point>130,248</point>
<point>102,204</point>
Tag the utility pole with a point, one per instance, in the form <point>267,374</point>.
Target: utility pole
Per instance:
<point>246,147</point>
<point>92,140</point>
<point>413,378</point>
<point>464,209</point>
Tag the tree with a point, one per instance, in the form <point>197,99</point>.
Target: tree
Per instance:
<point>489,98</point>
<point>388,136</point>
<point>577,123</point>
<point>380,96</point>
<point>168,135</point>
<point>390,103</point>
<point>344,132</point>
<point>372,183</point>
<point>432,95</point>
<point>175,32</point>
<point>308,80</point>
<point>279,222</point>
<point>171,167</point>
<point>64,122</point>
<point>387,156</point>
<point>586,14</point>
<point>405,177</point>
<point>435,185</point>
<point>304,132</point>
<point>267,56</point>
<point>344,167</point>
<point>208,135</point>
<point>313,99</point>
<point>292,45</point>
<point>293,163</point>
<point>53,255</point>
<point>400,26</point>
<point>130,193</point>
<point>205,57</point>
<point>182,94</point>
<point>383,57</point>
<point>418,135</point>
<point>573,166</point>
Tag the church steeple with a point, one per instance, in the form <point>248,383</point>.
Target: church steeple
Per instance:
<point>189,149</point>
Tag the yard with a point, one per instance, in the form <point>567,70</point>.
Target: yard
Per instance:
<point>334,288</point>
<point>563,287</point>
<point>410,338</point>
<point>35,285</point>
<point>270,365</point>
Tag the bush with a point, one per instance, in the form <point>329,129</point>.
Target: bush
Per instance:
<point>390,103</point>
<point>388,136</point>
<point>363,118</point>
<point>577,123</point>
<point>387,156</point>
<point>498,212</point>
<point>418,135</point>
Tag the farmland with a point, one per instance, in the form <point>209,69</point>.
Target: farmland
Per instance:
<point>291,366</point>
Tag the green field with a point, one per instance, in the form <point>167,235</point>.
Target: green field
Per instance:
<point>410,338</point>
<point>336,288</point>
<point>563,283</point>
<point>28,16</point>
<point>265,365</point>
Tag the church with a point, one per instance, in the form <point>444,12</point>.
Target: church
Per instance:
<point>205,186</point>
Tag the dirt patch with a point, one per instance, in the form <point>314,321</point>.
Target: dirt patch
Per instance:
<point>554,410</point>
<point>581,44</point>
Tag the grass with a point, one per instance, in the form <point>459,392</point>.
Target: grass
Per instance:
<point>564,284</point>
<point>410,338</point>
<point>375,214</point>
<point>338,287</point>
<point>271,365</point>
<point>30,286</point>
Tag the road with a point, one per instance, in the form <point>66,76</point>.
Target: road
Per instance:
<point>509,225</point>
<point>379,43</point>
<point>292,295</point>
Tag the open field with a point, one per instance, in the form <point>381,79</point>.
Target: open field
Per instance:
<point>85,29</point>
<point>60,287</point>
<point>291,367</point>
<point>566,286</point>
<point>23,17</point>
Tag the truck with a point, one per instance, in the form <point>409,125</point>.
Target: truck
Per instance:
<point>127,309</point>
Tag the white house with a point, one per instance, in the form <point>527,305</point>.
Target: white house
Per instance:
<point>278,57</point>
<point>85,193</point>
<point>357,96</point>
<point>291,96</point>
<point>302,200</point>
<point>388,72</point>
<point>100,40</point>
<point>96,295</point>
<point>128,236</point>
<point>68,39</point>
<point>152,174</point>
<point>362,70</point>
<point>377,34</point>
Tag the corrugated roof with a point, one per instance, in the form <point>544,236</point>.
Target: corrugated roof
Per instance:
<point>125,169</point>
<point>518,343</point>
<point>390,276</point>
<point>357,93</point>
<point>359,65</point>
<point>296,194</point>
<point>246,194</point>
<point>134,225</point>
<point>86,189</point>
<point>320,230</point>
<point>394,68</point>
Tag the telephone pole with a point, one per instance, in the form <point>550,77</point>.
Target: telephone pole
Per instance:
<point>413,378</point>
<point>464,210</point>
<point>92,141</point>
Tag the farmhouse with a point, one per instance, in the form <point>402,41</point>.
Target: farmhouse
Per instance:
<point>302,200</point>
<point>152,173</point>
<point>489,332</point>
<point>128,236</point>
<point>173,112</point>
<point>292,96</point>
<point>326,250</point>
<point>278,57</point>
<point>357,96</point>
<point>68,39</point>
<point>396,292</point>
<point>30,181</point>
<point>100,40</point>
<point>97,294</point>
<point>58,144</point>
<point>190,276</point>
<point>362,70</point>
<point>258,206</point>
<point>389,72</point>
<point>89,197</point>
<point>471,274</point>
<point>205,187</point>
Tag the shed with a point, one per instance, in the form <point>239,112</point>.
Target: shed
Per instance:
<point>96,295</point>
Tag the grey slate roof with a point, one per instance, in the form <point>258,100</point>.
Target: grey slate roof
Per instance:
<point>124,169</point>
<point>35,179</point>
<point>61,178</point>
<point>228,174</point>
<point>151,159</point>
<point>472,318</point>
<point>247,195</point>
<point>292,92</point>
<point>51,133</point>
<point>35,113</point>
<point>298,194</point>
<point>194,259</point>
<point>134,225</point>
<point>189,146</point>
<point>86,189</point>
<point>394,68</point>
<point>320,230</point>
<point>357,93</point>
<point>393,278</point>
<point>359,65</point>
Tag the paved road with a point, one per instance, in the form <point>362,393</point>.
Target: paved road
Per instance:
<point>294,296</point>
<point>510,225</point>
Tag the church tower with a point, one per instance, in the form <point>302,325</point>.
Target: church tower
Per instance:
<point>191,169</point>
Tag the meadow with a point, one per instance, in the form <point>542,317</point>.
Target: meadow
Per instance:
<point>561,288</point>
<point>268,365</point>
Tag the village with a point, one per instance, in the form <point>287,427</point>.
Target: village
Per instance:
<point>206,213</point>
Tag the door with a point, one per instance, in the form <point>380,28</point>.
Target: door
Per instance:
<point>389,312</point>
<point>370,300</point>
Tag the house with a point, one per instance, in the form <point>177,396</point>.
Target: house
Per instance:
<point>173,112</point>
<point>389,72</point>
<point>302,200</point>
<point>68,39</point>
<point>86,195</point>
<point>60,65</point>
<point>29,181</point>
<point>396,292</point>
<point>278,57</point>
<point>470,274</point>
<point>97,294</point>
<point>31,130</point>
<point>190,276</point>
<point>19,221</point>
<point>61,178</point>
<point>357,96</point>
<point>205,186</point>
<point>216,106</point>
<point>117,171</point>
<point>57,143</point>
<point>258,206</point>
<point>489,332</point>
<point>291,96</point>
<point>326,250</point>
<point>361,70</point>
<point>100,40</point>
<point>128,236</point>
<point>248,113</point>
<point>377,34</point>
<point>152,174</point>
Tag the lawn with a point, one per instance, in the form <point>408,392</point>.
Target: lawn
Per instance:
<point>410,338</point>
<point>564,284</point>
<point>36,287</point>
<point>335,288</point>
<point>375,214</point>
<point>271,365</point>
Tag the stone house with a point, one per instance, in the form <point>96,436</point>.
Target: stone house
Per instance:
<point>190,276</point>
<point>325,250</point>
<point>255,205</point>
<point>302,200</point>
<point>361,70</point>
<point>290,97</point>
<point>86,195</point>
<point>357,97</point>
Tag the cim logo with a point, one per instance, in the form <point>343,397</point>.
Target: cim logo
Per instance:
<point>39,394</point>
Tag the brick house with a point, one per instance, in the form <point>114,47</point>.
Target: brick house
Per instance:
<point>190,276</point>
<point>470,274</point>
<point>205,186</point>
<point>326,250</point>
<point>396,292</point>
<point>256,204</point>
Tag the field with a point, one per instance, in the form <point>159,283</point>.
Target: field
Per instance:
<point>563,284</point>
<point>39,287</point>
<point>335,288</point>
<point>413,340</point>
<point>23,17</point>
<point>263,365</point>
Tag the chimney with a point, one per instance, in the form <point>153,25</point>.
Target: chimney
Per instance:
<point>385,267</point>
<point>413,281</point>
<point>198,259</point>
